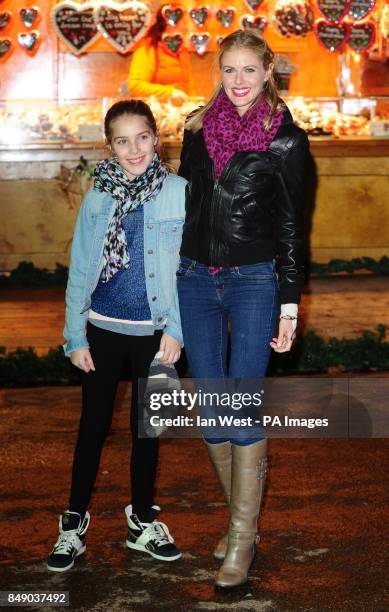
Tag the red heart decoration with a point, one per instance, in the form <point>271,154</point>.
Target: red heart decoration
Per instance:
<point>123,24</point>
<point>359,9</point>
<point>29,15</point>
<point>200,42</point>
<point>253,4</point>
<point>333,10</point>
<point>248,22</point>
<point>4,19</point>
<point>361,36</point>
<point>75,25</point>
<point>5,45</point>
<point>199,15</point>
<point>28,40</point>
<point>225,16</point>
<point>331,35</point>
<point>173,42</point>
<point>172,14</point>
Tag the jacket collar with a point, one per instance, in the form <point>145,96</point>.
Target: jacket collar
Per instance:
<point>287,118</point>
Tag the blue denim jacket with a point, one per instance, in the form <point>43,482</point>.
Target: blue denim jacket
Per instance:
<point>163,221</point>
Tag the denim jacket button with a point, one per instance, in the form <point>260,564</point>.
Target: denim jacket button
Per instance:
<point>154,298</point>
<point>150,252</point>
<point>159,319</point>
<point>151,275</point>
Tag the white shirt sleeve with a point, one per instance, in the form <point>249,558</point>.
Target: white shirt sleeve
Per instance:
<point>292,311</point>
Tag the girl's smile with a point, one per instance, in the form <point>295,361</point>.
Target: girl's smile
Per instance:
<point>133,142</point>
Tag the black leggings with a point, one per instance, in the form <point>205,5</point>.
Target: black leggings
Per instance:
<point>109,352</point>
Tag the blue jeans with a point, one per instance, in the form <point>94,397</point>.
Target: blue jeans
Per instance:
<point>245,297</point>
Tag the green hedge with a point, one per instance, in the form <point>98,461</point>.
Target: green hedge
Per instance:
<point>358,263</point>
<point>23,368</point>
<point>311,354</point>
<point>27,275</point>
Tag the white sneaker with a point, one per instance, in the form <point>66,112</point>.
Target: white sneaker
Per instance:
<point>70,543</point>
<point>152,538</point>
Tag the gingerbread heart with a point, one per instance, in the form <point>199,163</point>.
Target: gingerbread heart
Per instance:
<point>333,10</point>
<point>225,16</point>
<point>123,24</point>
<point>361,36</point>
<point>200,42</point>
<point>253,4</point>
<point>293,19</point>
<point>74,25</point>
<point>172,14</point>
<point>331,35</point>
<point>29,16</point>
<point>5,45</point>
<point>199,15</point>
<point>173,41</point>
<point>28,40</point>
<point>249,22</point>
<point>359,9</point>
<point>4,19</point>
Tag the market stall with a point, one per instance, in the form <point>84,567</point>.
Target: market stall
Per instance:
<point>62,64</point>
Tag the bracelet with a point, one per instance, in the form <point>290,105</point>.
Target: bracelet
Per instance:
<point>288,317</point>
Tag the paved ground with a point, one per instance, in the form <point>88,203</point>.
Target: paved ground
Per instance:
<point>324,523</point>
<point>339,306</point>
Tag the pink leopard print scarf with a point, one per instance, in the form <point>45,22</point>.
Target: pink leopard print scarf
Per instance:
<point>225,132</point>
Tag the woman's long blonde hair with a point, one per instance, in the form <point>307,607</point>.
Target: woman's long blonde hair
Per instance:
<point>243,39</point>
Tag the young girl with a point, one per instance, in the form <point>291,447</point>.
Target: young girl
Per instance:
<point>121,303</point>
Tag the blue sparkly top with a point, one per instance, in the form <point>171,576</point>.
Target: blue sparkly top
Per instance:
<point>124,295</point>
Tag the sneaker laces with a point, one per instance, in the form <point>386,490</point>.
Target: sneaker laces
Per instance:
<point>159,532</point>
<point>66,541</point>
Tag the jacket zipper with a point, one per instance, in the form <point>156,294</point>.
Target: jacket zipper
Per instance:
<point>215,203</point>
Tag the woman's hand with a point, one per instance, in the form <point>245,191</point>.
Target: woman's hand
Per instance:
<point>82,359</point>
<point>171,349</point>
<point>286,335</point>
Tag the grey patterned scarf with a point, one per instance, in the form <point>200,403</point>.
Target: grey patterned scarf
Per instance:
<point>110,177</point>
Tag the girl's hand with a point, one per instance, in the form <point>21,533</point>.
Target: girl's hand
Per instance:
<point>83,359</point>
<point>171,349</point>
<point>286,335</point>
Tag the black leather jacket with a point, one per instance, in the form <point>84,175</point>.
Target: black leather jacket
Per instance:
<point>253,212</point>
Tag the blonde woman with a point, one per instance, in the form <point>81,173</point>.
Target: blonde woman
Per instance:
<point>241,259</point>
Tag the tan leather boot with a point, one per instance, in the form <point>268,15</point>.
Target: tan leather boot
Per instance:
<point>220,455</point>
<point>247,485</point>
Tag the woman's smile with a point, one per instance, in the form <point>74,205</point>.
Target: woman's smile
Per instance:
<point>240,92</point>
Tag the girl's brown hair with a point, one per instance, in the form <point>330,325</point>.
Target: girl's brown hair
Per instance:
<point>128,107</point>
<point>244,39</point>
